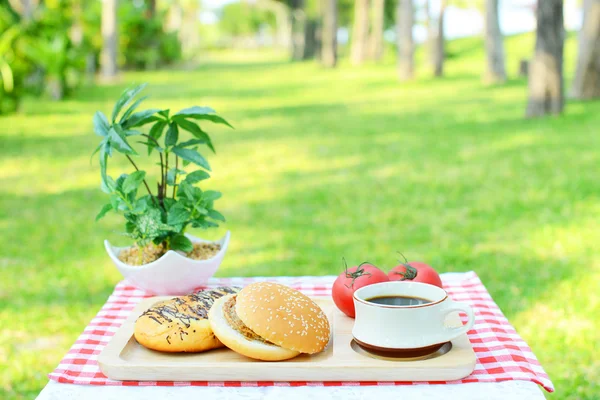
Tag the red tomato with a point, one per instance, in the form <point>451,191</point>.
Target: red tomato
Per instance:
<point>415,271</point>
<point>352,279</point>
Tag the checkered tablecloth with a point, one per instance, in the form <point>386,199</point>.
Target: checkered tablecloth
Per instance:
<point>501,353</point>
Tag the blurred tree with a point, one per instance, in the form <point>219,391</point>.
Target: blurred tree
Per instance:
<point>377,28</point>
<point>345,12</point>
<point>142,42</point>
<point>281,11</point>
<point>546,68</point>
<point>430,31</point>
<point>244,19</point>
<point>109,38</point>
<point>298,29</point>
<point>329,34</point>
<point>360,32</point>
<point>37,55</point>
<point>404,39</point>
<point>438,40</point>
<point>586,84</point>
<point>494,44</point>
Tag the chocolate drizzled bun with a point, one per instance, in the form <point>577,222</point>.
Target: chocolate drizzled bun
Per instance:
<point>180,324</point>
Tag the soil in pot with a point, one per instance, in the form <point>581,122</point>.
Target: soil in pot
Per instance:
<point>201,251</point>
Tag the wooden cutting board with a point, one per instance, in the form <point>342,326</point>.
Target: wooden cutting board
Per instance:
<point>124,359</point>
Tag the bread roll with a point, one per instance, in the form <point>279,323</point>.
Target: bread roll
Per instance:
<point>180,324</point>
<point>270,322</point>
<point>283,316</point>
<point>239,338</point>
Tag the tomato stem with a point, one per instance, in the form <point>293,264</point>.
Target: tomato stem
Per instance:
<point>360,271</point>
<point>410,273</point>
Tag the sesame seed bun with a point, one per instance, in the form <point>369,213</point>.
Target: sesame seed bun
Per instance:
<point>240,343</point>
<point>283,316</point>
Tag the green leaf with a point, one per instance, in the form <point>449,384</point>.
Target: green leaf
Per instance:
<point>153,146</point>
<point>105,209</point>
<point>131,132</point>
<point>164,113</point>
<point>115,201</point>
<point>214,214</point>
<point>119,182</point>
<point>141,118</point>
<point>211,195</point>
<point>202,113</point>
<point>108,186</point>
<point>204,224</point>
<point>125,98</point>
<point>131,108</point>
<point>195,110</point>
<point>185,189</point>
<point>103,143</point>
<point>118,140</point>
<point>172,135</point>
<point>133,181</point>
<point>104,152</point>
<point>192,156</point>
<point>155,133</point>
<point>178,214</point>
<point>129,227</point>
<point>196,176</point>
<point>191,142</point>
<point>195,130</point>
<point>141,205</point>
<point>157,129</point>
<point>171,175</point>
<point>101,124</point>
<point>200,209</point>
<point>182,243</point>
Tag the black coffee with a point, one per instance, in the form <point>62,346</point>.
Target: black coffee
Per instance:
<point>398,301</point>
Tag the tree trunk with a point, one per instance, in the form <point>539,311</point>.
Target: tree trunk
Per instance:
<point>430,33</point>
<point>587,75</point>
<point>404,39</point>
<point>494,44</point>
<point>360,32</point>
<point>439,42</point>
<point>312,39</point>
<point>108,58</point>
<point>298,29</point>
<point>377,27</point>
<point>76,31</point>
<point>329,34</point>
<point>546,68</point>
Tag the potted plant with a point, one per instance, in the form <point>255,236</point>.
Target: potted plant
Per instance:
<point>164,259</point>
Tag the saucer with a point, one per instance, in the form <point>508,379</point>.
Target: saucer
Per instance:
<point>421,353</point>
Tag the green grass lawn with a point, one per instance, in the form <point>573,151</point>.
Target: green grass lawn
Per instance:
<point>325,164</point>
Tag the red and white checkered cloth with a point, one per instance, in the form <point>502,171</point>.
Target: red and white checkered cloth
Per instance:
<point>501,353</point>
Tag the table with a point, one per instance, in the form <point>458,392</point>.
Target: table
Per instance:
<point>513,390</point>
<point>475,391</point>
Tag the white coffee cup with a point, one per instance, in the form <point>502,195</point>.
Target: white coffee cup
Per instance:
<point>406,327</point>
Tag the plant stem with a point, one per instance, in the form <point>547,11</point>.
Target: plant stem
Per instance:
<point>166,171</point>
<point>145,183</point>
<point>161,185</point>
<point>175,179</point>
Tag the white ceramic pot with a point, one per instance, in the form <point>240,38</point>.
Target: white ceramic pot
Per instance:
<point>173,273</point>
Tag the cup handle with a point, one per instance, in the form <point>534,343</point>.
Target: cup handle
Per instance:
<point>453,307</point>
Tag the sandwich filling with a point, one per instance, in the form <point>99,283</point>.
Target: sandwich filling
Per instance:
<point>236,323</point>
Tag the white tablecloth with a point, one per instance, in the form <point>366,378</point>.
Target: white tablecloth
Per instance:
<point>513,390</point>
